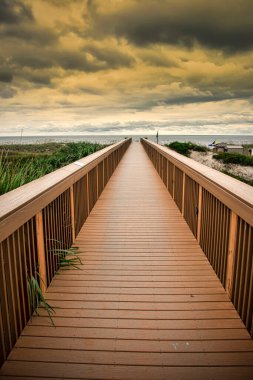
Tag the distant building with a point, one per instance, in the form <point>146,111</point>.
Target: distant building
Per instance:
<point>227,148</point>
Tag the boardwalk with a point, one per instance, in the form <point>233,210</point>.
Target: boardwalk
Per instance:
<point>145,304</point>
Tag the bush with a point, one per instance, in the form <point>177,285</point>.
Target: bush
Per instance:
<point>185,148</point>
<point>234,158</point>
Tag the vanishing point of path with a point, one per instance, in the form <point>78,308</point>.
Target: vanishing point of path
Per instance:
<point>145,304</point>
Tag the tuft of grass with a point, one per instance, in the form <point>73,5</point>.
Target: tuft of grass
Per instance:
<point>67,258</point>
<point>185,148</point>
<point>234,158</point>
<point>36,298</point>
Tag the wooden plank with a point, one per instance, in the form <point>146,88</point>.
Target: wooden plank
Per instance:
<point>93,371</point>
<point>148,306</point>
<point>143,298</point>
<point>133,323</point>
<point>107,329</point>
<point>133,358</point>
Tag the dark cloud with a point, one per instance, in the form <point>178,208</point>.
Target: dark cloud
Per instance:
<point>157,58</point>
<point>63,3</point>
<point>178,100</point>
<point>33,58</point>
<point>216,24</point>
<point>31,33</point>
<point>48,57</point>
<point>112,57</point>
<point>75,60</point>
<point>39,78</point>
<point>14,11</point>
<point>5,76</point>
<point>91,90</point>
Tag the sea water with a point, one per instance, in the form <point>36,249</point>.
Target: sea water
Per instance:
<point>109,139</point>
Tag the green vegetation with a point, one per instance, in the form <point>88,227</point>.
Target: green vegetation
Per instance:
<point>234,158</point>
<point>67,258</point>
<point>36,298</point>
<point>20,164</point>
<point>185,148</point>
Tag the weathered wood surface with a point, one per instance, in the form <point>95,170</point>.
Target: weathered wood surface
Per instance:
<point>145,304</point>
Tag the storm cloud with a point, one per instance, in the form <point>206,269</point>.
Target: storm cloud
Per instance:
<point>215,24</point>
<point>118,65</point>
<point>14,11</point>
<point>5,76</point>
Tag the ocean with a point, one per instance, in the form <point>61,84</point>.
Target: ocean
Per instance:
<point>109,139</point>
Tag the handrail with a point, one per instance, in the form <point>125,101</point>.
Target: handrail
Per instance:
<point>38,219</point>
<point>219,212</point>
<point>236,195</point>
<point>19,205</point>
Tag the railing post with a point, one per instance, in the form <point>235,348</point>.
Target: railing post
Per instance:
<point>173,182</point>
<point>41,251</point>
<point>167,174</point>
<point>231,253</point>
<point>97,180</point>
<point>103,174</point>
<point>199,213</point>
<point>72,209</point>
<point>183,194</point>
<point>87,194</point>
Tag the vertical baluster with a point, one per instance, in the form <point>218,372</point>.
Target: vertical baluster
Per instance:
<point>72,210</point>
<point>183,194</point>
<point>41,251</point>
<point>231,253</point>
<point>87,194</point>
<point>199,213</point>
<point>173,182</point>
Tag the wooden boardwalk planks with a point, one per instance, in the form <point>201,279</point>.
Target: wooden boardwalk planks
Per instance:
<point>145,303</point>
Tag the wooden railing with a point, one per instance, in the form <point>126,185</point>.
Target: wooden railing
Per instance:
<point>219,212</point>
<point>37,217</point>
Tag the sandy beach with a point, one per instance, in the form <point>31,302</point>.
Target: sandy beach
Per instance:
<point>238,170</point>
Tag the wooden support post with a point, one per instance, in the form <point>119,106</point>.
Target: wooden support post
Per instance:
<point>183,194</point>
<point>2,343</point>
<point>7,342</point>
<point>72,209</point>
<point>162,176</point>
<point>97,181</point>
<point>167,175</point>
<point>103,174</point>
<point>231,253</point>
<point>199,213</point>
<point>87,195</point>
<point>173,182</point>
<point>41,251</point>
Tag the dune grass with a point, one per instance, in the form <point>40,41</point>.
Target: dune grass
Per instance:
<point>234,158</point>
<point>185,148</point>
<point>20,164</point>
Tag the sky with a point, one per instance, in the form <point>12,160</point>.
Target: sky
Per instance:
<point>126,67</point>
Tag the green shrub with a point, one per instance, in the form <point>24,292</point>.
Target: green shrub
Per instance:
<point>185,148</point>
<point>234,158</point>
